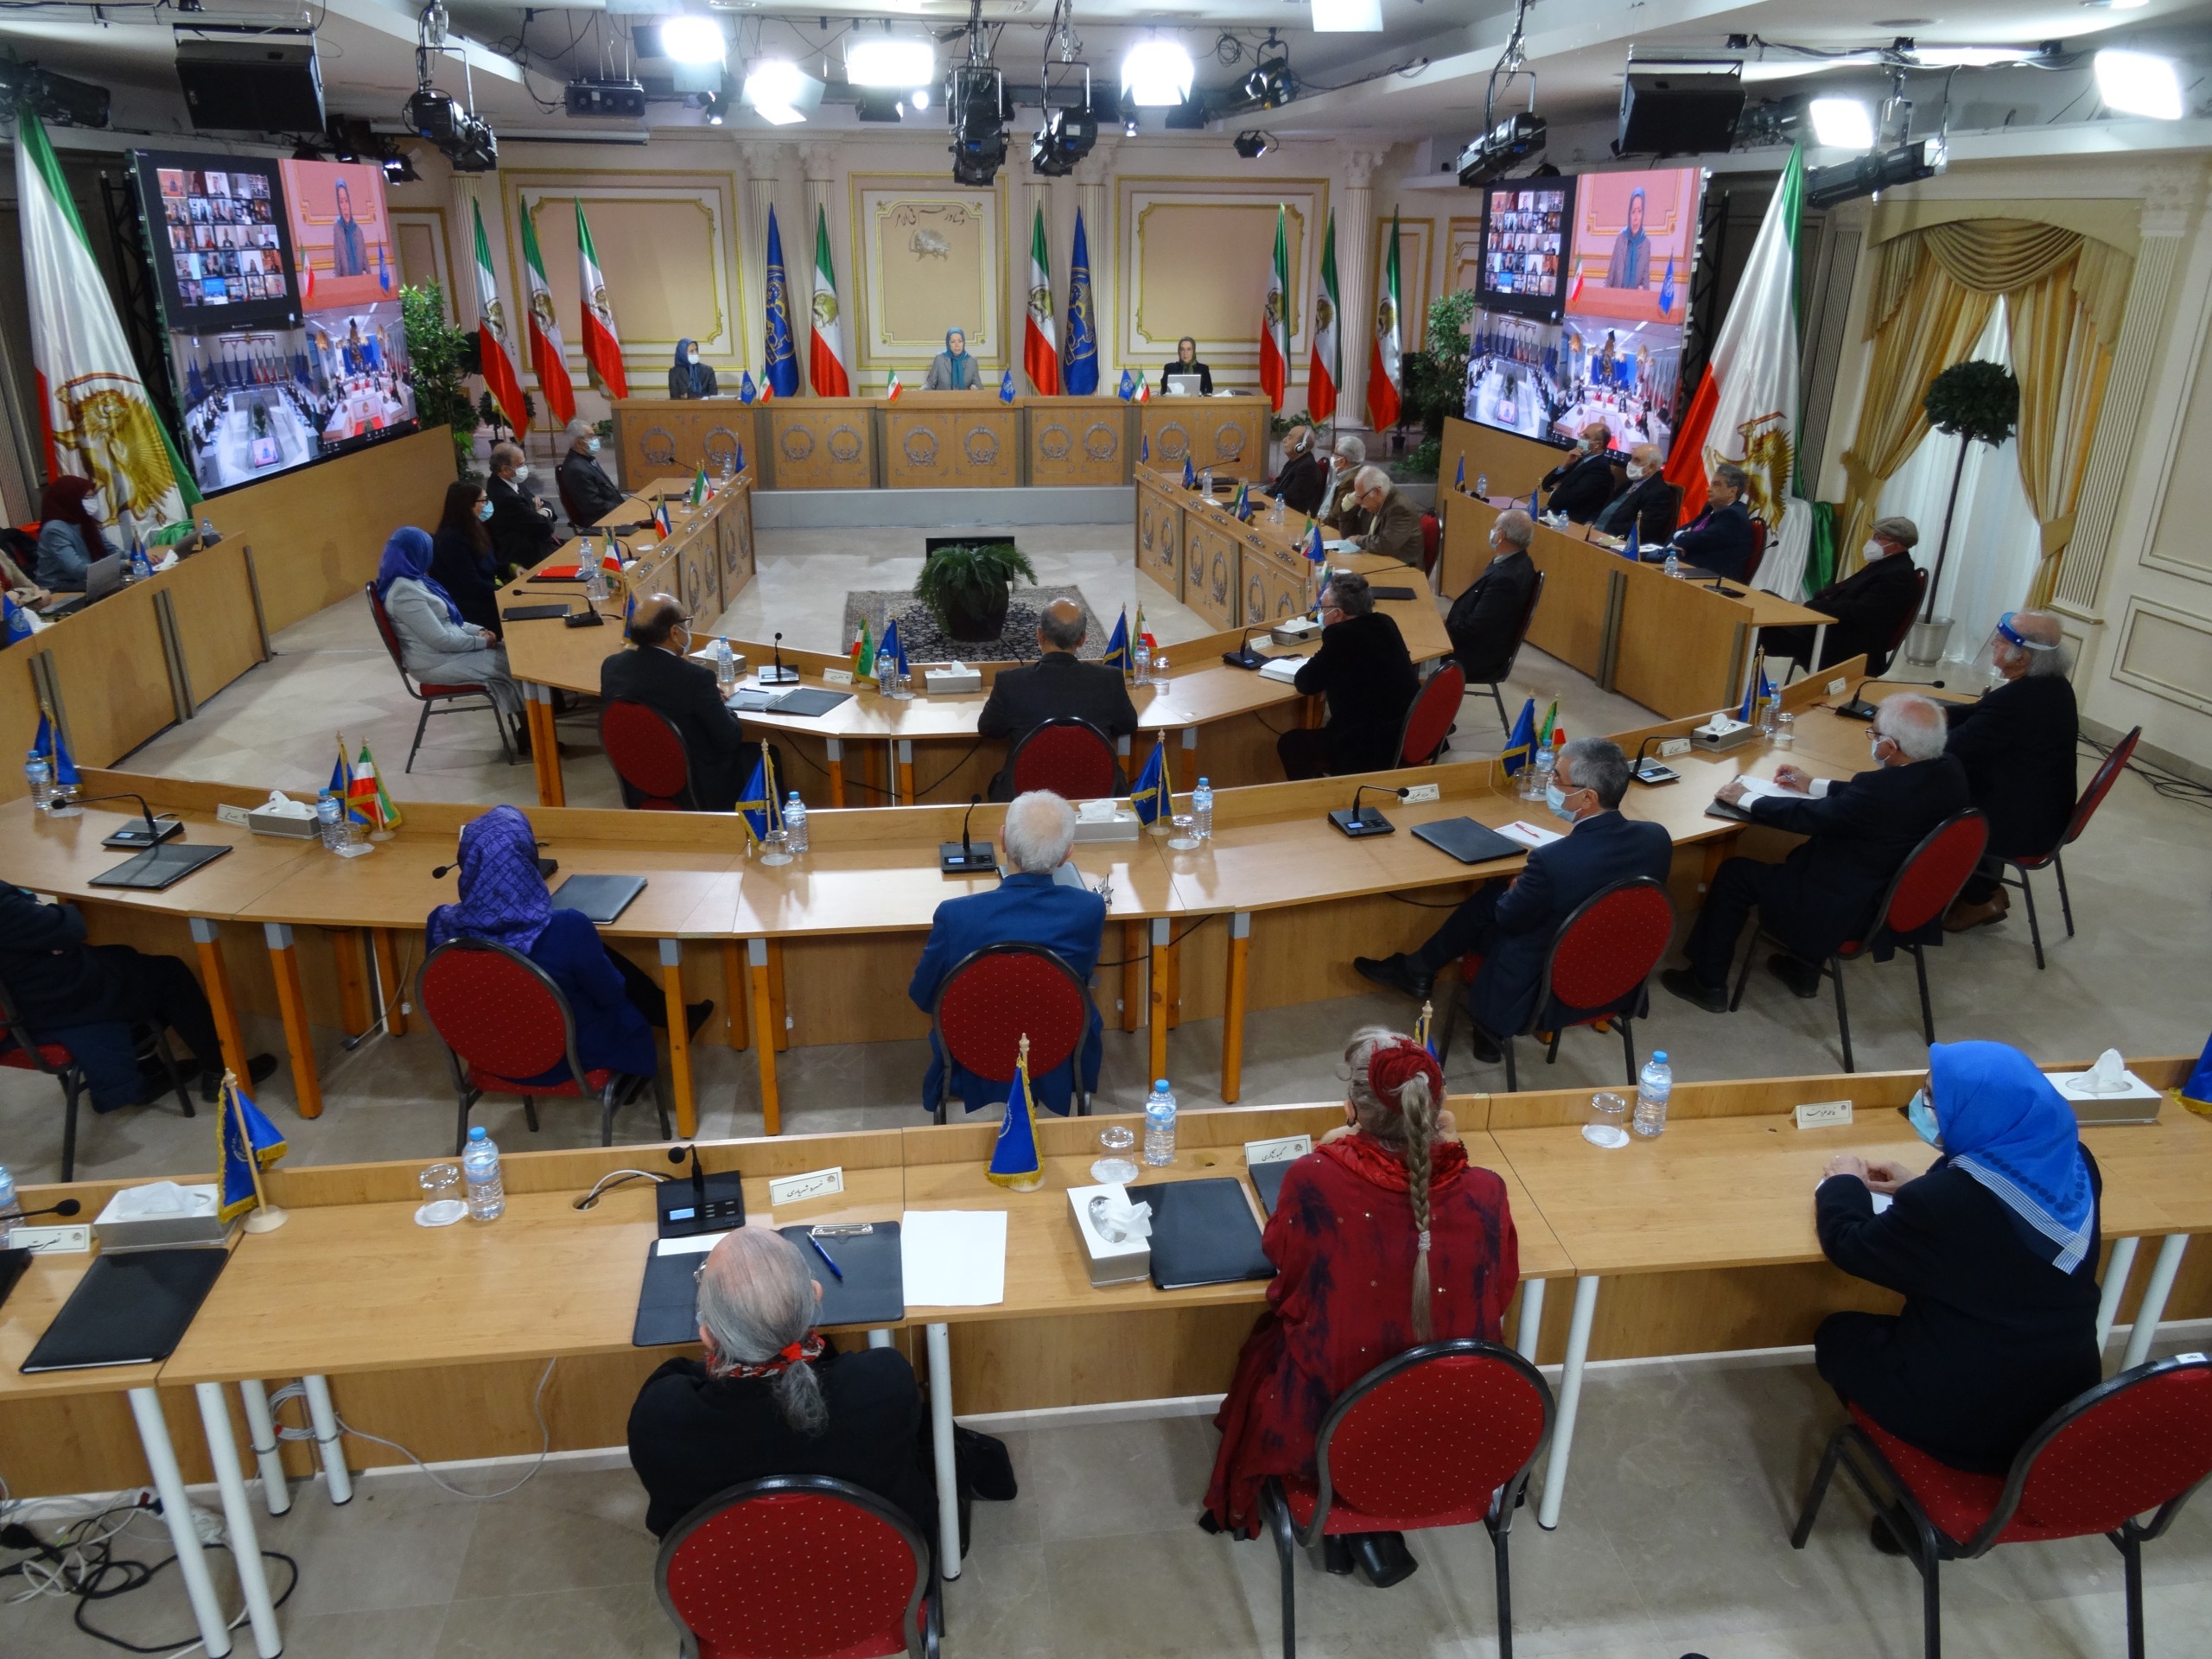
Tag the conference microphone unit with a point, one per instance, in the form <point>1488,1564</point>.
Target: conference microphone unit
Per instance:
<point>1244,656</point>
<point>136,837</point>
<point>1358,821</point>
<point>778,674</point>
<point>1652,773</point>
<point>704,1204</point>
<point>547,868</point>
<point>963,857</point>
<point>66,1207</point>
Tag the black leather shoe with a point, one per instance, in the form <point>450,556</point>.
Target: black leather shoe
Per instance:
<point>1683,983</point>
<point>1487,1051</point>
<point>1396,974</point>
<point>259,1069</point>
<point>1336,1555</point>
<point>1383,1557</point>
<point>1801,977</point>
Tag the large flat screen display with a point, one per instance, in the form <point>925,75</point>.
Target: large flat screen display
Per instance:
<point>221,251</point>
<point>1635,236</point>
<point>1526,225</point>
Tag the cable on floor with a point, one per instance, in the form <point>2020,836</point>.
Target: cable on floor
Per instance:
<point>298,1391</point>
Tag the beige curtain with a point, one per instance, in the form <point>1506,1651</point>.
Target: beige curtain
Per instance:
<point>2064,357</point>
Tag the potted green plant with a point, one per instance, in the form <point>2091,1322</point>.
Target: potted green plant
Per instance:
<point>967,586</point>
<point>435,351</point>
<point>1978,403</point>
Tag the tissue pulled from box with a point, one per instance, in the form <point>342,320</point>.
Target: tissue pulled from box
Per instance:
<point>281,805</point>
<point>1117,1220</point>
<point>2108,1076</point>
<point>159,1200</point>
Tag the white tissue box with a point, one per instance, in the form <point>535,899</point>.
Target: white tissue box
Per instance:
<point>1122,826</point>
<point>2138,1103</point>
<point>1723,733</point>
<point>277,823</point>
<point>1110,1262</point>
<point>197,1225</point>
<point>945,681</point>
<point>1296,631</point>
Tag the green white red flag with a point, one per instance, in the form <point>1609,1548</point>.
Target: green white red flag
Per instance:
<point>548,353</point>
<point>1385,355</point>
<point>602,345</point>
<point>1040,341</point>
<point>1325,373</point>
<point>1275,323</point>
<point>496,360</point>
<point>825,352</point>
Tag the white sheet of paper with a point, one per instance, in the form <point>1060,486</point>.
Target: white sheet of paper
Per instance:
<point>1759,788</point>
<point>1528,834</point>
<point>1282,668</point>
<point>953,1258</point>
<point>1341,545</point>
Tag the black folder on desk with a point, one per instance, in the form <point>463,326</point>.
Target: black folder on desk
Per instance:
<point>1267,1181</point>
<point>601,897</point>
<point>1202,1234</point>
<point>1468,842</point>
<point>1727,813</point>
<point>531,612</point>
<point>667,1304</point>
<point>1389,593</point>
<point>808,701</point>
<point>874,1289</point>
<point>130,1308</point>
<point>159,868</point>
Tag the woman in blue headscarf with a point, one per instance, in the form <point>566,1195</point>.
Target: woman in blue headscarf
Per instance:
<point>1995,1251</point>
<point>435,644</point>
<point>616,1004</point>
<point>952,369</point>
<point>688,376</point>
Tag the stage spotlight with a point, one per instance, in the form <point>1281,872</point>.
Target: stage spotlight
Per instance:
<point>1505,146</point>
<point>1253,145</point>
<point>1828,187</point>
<point>692,39</point>
<point>1842,122</point>
<point>1156,73</point>
<point>878,104</point>
<point>975,105</point>
<point>1271,85</point>
<point>1065,139</point>
<point>2138,83</point>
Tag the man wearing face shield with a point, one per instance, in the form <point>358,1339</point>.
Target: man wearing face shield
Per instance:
<point>1867,605</point>
<point>2017,744</point>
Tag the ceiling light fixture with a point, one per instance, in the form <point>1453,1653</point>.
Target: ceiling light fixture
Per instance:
<point>693,40</point>
<point>893,60</point>
<point>1842,124</point>
<point>2137,83</point>
<point>1156,73</point>
<point>780,92</point>
<point>1347,16</point>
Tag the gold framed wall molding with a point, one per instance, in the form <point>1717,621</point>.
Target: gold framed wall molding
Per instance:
<point>425,253</point>
<point>1195,258</point>
<point>926,256</point>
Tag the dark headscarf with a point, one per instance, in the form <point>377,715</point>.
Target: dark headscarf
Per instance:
<point>64,499</point>
<point>408,554</point>
<point>503,898</point>
<point>2004,1123</point>
<point>687,378</point>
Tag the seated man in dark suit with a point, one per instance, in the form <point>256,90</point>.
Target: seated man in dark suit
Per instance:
<point>2017,744</point>
<point>1868,605</point>
<point>1582,483</point>
<point>1650,502</point>
<point>772,1396</point>
<point>1512,924</point>
<point>521,526</point>
<point>1057,684</point>
<point>1862,830</point>
<point>1365,670</point>
<point>658,671</point>
<point>1303,480</point>
<point>586,490</point>
<point>1484,621</point>
<point>1719,538</point>
<point>1030,905</point>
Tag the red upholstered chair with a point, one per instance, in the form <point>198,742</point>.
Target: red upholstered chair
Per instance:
<point>19,1052</point>
<point>2139,1445</point>
<point>1520,638</point>
<point>1432,537</point>
<point>1896,642</point>
<point>799,1567</point>
<point>434,699</point>
<point>1444,1435</point>
<point>992,998</point>
<point>1922,889</point>
<point>1758,551</point>
<point>2100,783</point>
<point>1071,757</point>
<point>1428,721</point>
<point>502,1019</point>
<point>648,757</point>
<point>1596,970</point>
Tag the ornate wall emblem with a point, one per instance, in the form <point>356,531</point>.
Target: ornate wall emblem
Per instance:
<point>1221,579</point>
<point>1055,442</point>
<point>844,444</point>
<point>920,446</point>
<point>797,443</point>
<point>657,445</point>
<point>1255,598</point>
<point>721,447</point>
<point>1174,442</point>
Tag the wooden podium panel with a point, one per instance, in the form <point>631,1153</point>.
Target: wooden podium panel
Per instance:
<point>1159,534</point>
<point>1513,464</point>
<point>111,673</point>
<point>1075,441</point>
<point>658,437</point>
<point>1229,432</point>
<point>1278,581</point>
<point>820,444</point>
<point>951,439</point>
<point>1211,562</point>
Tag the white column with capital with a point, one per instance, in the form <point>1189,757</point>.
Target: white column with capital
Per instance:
<point>1356,316</point>
<point>1092,175</point>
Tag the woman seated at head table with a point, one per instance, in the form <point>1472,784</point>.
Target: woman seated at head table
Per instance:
<point>1384,1237</point>
<point>1186,362</point>
<point>69,536</point>
<point>1994,1251</point>
<point>953,369</point>
<point>436,646</point>
<point>615,1003</point>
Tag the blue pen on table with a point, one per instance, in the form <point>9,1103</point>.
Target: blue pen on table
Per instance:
<point>829,1260</point>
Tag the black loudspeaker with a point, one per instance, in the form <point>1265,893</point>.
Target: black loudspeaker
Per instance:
<point>1669,113</point>
<point>265,83</point>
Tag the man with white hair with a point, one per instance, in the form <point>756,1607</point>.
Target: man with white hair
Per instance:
<point>2017,744</point>
<point>1649,502</point>
<point>1861,831</point>
<point>586,493</point>
<point>1028,906</point>
<point>1484,621</point>
<point>1338,505</point>
<point>1393,523</point>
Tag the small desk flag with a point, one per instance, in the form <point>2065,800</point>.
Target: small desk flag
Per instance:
<point>758,805</point>
<point>2197,1093</point>
<point>1189,474</point>
<point>894,645</point>
<point>746,394</point>
<point>661,520</point>
<point>365,801</point>
<point>1006,387</point>
<point>1520,746</point>
<point>1459,476</point>
<point>18,620</point>
<point>1117,645</point>
<point>1633,551</point>
<point>1757,689</point>
<point>1014,1162</point>
<point>863,654</point>
<point>1314,550</point>
<point>1242,505</point>
<point>1127,388</point>
<point>1150,794</point>
<point>249,1144</point>
<point>698,495</point>
<point>1144,448</point>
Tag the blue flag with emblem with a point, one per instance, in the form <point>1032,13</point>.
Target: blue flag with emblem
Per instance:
<point>746,394</point>
<point>894,645</point>
<point>1079,368</point>
<point>342,774</point>
<point>758,805</point>
<point>1006,387</point>
<point>50,743</point>
<point>1757,689</point>
<point>1014,1162</point>
<point>1126,389</point>
<point>249,1144</point>
<point>1459,476</point>
<point>1150,794</point>
<point>782,372</point>
<point>1144,448</point>
<point>737,465</point>
<point>1189,474</point>
<point>1117,645</point>
<point>1632,550</point>
<point>1522,743</point>
<point>1667,288</point>
<point>2198,1091</point>
<point>18,620</point>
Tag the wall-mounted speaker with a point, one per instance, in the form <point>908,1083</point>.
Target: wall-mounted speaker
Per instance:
<point>251,83</point>
<point>1678,112</point>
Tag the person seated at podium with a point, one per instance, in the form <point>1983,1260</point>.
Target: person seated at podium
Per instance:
<point>1303,480</point>
<point>772,1395</point>
<point>521,524</point>
<point>586,490</point>
<point>460,556</point>
<point>1510,925</point>
<point>659,673</point>
<point>1384,1237</point>
<point>952,369</point>
<point>1057,684</point>
<point>1365,670</point>
<point>1028,906</point>
<point>1868,605</point>
<point>1719,538</point>
<point>2017,743</point>
<point>1392,526</point>
<point>69,537</point>
<point>1649,502</point>
<point>688,376</point>
<point>435,646</point>
<point>1186,362</point>
<point>1484,621</point>
<point>1994,1251</point>
<point>87,997</point>
<point>1583,483</point>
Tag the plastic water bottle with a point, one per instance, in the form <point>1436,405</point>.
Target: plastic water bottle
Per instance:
<point>1275,517</point>
<point>1540,774</point>
<point>40,777</point>
<point>11,1207</point>
<point>1482,485</point>
<point>1653,1085</point>
<point>1206,483</point>
<point>725,666</point>
<point>1202,809</point>
<point>795,824</point>
<point>330,817</point>
<point>1160,1125</point>
<point>886,674</point>
<point>1142,656</point>
<point>480,1172</point>
<point>1673,564</point>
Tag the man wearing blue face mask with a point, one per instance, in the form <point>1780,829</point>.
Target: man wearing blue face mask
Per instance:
<point>1510,925</point>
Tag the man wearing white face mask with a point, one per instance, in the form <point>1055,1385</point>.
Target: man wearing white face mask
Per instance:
<point>521,526</point>
<point>1650,502</point>
<point>1511,925</point>
<point>586,493</point>
<point>1869,606</point>
<point>1583,483</point>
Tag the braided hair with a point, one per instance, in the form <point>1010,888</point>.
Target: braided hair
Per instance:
<point>1396,1091</point>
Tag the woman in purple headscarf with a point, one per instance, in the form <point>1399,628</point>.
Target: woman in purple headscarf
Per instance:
<point>435,646</point>
<point>503,899</point>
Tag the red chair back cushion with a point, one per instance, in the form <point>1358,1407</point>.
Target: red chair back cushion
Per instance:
<point>384,630</point>
<point>793,1575</point>
<point>644,750</point>
<point>1939,867</point>
<point>1431,536</point>
<point>1758,550</point>
<point>1428,722</point>
<point>2100,783</point>
<point>990,1002</point>
<point>494,1012</point>
<point>1435,1439</point>
<point>1610,948</point>
<point>2127,1455</point>
<point>1073,761</point>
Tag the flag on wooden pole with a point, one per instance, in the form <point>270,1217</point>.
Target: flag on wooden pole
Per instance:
<point>1040,341</point>
<point>497,362</point>
<point>825,355</point>
<point>602,345</point>
<point>1275,323</point>
<point>1325,371</point>
<point>1384,356</point>
<point>547,352</point>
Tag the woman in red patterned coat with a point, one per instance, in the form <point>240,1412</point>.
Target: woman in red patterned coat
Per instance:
<point>1384,1237</point>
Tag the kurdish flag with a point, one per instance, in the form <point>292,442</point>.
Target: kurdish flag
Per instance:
<point>1040,339</point>
<point>1326,368</point>
<point>1384,355</point>
<point>1014,1162</point>
<point>499,363</point>
<point>95,420</point>
<point>547,352</point>
<point>825,352</point>
<point>863,655</point>
<point>602,346</point>
<point>1275,322</point>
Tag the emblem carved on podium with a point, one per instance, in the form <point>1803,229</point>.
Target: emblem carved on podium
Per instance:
<point>1100,441</point>
<point>980,446</point>
<point>1229,441</point>
<point>1056,443</point>
<point>920,445</point>
<point>797,442</point>
<point>844,444</point>
<point>657,445</point>
<point>1174,442</point>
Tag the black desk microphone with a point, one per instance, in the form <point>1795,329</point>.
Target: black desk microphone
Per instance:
<point>1356,820</point>
<point>963,857</point>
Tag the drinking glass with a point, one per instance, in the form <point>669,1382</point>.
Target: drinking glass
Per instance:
<point>1608,1118</point>
<point>1785,731</point>
<point>1185,831</point>
<point>1116,1142</point>
<point>443,1204</point>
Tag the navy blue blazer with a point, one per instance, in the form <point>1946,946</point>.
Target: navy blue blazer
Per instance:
<point>611,1034</point>
<point>1023,909</point>
<point>1718,541</point>
<point>1601,849</point>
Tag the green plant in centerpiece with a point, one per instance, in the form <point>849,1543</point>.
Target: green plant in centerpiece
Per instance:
<point>966,587</point>
<point>435,351</point>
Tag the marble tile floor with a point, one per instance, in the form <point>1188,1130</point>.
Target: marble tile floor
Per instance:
<point>1686,1477</point>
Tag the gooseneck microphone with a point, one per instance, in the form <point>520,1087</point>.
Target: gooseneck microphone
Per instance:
<point>1653,773</point>
<point>153,834</point>
<point>962,858</point>
<point>778,675</point>
<point>1356,820</point>
<point>1244,656</point>
<point>66,1207</point>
